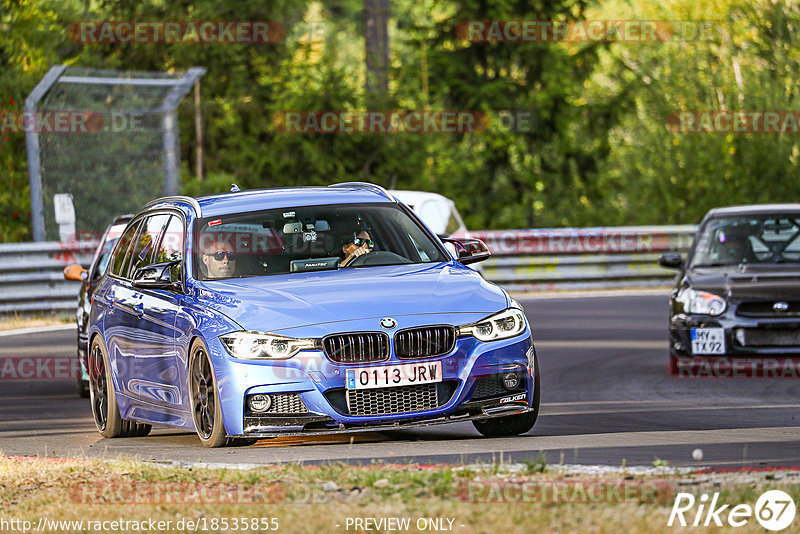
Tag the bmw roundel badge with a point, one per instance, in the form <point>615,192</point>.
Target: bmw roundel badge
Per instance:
<point>388,323</point>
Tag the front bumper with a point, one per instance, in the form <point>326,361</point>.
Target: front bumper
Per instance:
<point>302,426</point>
<point>745,337</point>
<point>317,380</point>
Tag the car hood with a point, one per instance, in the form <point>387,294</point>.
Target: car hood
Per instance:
<point>274,303</point>
<point>750,282</point>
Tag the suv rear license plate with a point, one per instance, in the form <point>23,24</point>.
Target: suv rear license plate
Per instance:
<point>407,374</point>
<point>708,341</point>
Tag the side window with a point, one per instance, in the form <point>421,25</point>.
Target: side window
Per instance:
<point>120,252</point>
<point>171,248</point>
<point>144,248</point>
<point>105,256</point>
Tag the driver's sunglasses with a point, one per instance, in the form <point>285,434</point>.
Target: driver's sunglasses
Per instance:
<point>221,254</point>
<point>360,241</point>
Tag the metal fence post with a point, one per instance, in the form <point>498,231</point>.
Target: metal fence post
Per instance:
<point>32,145</point>
<point>171,183</point>
<point>170,126</point>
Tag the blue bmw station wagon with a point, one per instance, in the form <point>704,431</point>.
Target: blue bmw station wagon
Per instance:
<point>255,314</point>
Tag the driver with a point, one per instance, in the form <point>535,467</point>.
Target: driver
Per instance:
<point>358,246</point>
<point>219,259</point>
<point>734,246</point>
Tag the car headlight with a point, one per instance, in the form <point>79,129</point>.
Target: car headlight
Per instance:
<point>701,302</point>
<point>260,346</point>
<point>507,323</point>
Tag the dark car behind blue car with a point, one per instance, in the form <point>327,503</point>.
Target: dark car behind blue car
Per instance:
<point>89,279</point>
<point>736,297</point>
<point>259,313</point>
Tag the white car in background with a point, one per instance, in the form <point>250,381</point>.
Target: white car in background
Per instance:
<point>436,211</point>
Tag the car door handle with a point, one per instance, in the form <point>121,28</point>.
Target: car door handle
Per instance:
<point>109,298</point>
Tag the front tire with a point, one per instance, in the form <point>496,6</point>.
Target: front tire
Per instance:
<point>104,399</point>
<point>513,425</point>
<point>510,425</point>
<point>206,407</point>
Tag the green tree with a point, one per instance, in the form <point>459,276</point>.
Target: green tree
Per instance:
<point>749,61</point>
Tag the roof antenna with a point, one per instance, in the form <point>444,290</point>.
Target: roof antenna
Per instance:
<point>234,188</point>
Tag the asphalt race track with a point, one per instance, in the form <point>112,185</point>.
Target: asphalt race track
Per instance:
<point>606,399</point>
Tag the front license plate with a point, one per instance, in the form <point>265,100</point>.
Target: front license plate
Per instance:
<point>385,376</point>
<point>708,341</point>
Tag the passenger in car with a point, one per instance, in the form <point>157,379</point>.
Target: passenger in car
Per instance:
<point>219,259</point>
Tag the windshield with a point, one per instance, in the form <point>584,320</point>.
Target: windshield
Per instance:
<point>749,239</point>
<point>309,238</point>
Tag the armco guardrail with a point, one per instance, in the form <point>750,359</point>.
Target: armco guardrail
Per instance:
<point>32,279</point>
<point>582,258</point>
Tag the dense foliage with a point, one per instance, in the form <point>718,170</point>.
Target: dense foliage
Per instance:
<point>600,151</point>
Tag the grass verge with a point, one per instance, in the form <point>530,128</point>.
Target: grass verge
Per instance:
<point>15,321</point>
<point>334,498</point>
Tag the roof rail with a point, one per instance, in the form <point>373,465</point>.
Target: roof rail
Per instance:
<point>366,185</point>
<point>178,198</point>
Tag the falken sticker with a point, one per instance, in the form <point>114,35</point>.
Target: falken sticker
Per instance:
<point>512,398</point>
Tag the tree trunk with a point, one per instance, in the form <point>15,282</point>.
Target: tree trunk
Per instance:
<point>198,132</point>
<point>376,47</point>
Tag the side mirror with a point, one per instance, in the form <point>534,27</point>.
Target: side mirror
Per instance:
<point>156,276</point>
<point>469,250</point>
<point>75,272</point>
<point>671,260</point>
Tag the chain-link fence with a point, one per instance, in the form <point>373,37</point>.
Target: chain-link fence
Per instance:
<point>107,138</point>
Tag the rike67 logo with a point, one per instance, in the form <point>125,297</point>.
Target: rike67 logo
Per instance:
<point>774,510</point>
